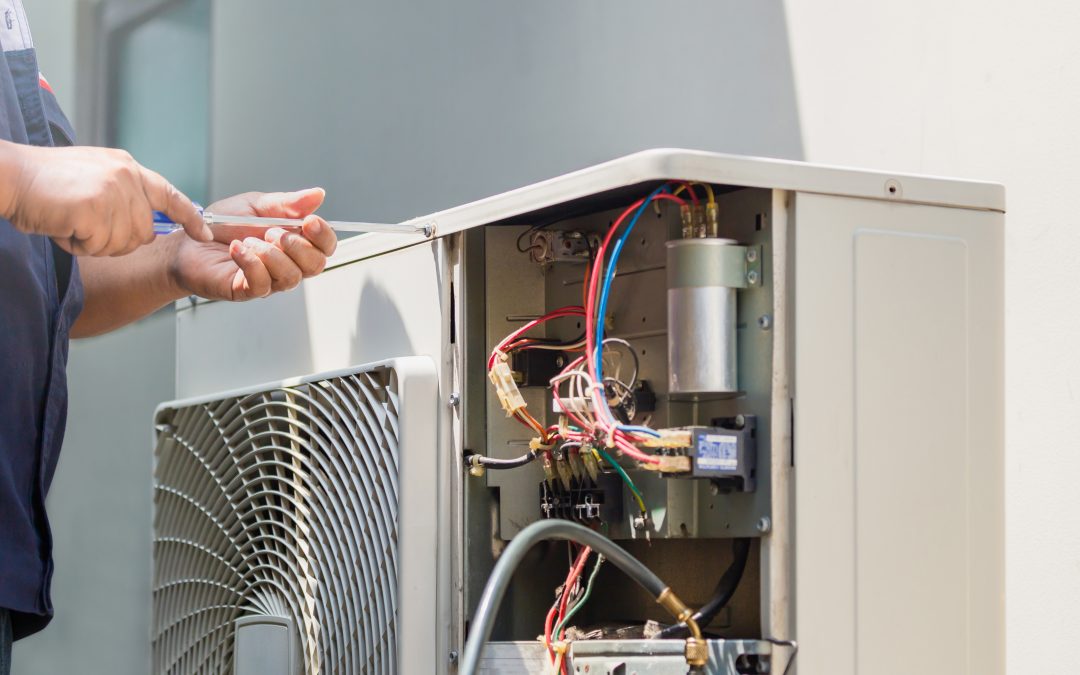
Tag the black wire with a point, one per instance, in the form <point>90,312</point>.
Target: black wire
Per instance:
<point>551,342</point>
<point>725,589</point>
<point>494,463</point>
<point>529,231</point>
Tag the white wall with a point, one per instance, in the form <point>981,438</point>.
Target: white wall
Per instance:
<point>984,89</point>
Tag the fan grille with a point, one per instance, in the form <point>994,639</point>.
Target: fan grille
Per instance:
<point>282,502</point>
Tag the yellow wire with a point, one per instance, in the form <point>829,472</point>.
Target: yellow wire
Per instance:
<point>560,649</point>
<point>708,190</point>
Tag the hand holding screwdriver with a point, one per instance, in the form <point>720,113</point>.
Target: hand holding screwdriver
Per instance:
<point>90,201</point>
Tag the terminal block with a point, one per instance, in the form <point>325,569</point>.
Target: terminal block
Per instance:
<point>584,501</point>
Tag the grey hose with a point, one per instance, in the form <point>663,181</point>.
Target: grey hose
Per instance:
<point>511,558</point>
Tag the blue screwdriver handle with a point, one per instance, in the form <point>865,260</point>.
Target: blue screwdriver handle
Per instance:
<point>164,224</point>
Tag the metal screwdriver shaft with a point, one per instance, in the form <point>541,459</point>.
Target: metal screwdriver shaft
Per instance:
<point>164,225</point>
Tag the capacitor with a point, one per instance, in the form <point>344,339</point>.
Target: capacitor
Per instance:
<point>701,315</point>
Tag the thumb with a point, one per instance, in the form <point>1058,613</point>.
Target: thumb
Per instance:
<point>299,204</point>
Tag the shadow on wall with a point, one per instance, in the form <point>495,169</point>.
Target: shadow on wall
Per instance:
<point>409,108</point>
<point>380,332</point>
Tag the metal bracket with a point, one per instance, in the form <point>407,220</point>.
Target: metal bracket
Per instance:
<point>729,265</point>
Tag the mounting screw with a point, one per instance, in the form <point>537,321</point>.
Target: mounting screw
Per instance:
<point>751,254</point>
<point>893,188</point>
<point>752,277</point>
<point>453,656</point>
<point>454,400</point>
<point>764,525</point>
<point>765,322</point>
<point>714,489</point>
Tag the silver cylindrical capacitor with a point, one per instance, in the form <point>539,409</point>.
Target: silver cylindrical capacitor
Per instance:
<point>701,315</point>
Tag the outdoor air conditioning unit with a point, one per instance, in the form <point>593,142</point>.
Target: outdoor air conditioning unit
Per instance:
<point>778,386</point>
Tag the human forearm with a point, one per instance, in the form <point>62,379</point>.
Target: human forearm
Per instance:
<point>90,201</point>
<point>121,290</point>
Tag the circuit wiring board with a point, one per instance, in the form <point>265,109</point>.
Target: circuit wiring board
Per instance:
<point>523,285</point>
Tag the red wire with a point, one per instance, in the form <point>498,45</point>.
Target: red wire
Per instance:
<point>568,586</point>
<point>690,191</point>
<point>572,310</point>
<point>560,606</point>
<point>591,318</point>
<point>590,308</point>
<point>549,624</point>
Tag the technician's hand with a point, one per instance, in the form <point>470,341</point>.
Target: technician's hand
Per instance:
<point>90,201</point>
<point>252,262</point>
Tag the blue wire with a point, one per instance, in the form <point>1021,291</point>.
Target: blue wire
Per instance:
<point>609,275</point>
<point>639,430</point>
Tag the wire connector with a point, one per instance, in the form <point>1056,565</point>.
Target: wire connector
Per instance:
<point>670,464</point>
<point>686,217</point>
<point>476,468</point>
<point>712,219</point>
<point>503,378</point>
<point>670,438</point>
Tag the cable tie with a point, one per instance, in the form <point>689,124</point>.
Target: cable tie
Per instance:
<point>537,443</point>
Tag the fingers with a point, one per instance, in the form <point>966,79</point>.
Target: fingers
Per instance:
<point>298,204</point>
<point>308,251</point>
<point>163,196</point>
<point>252,280</point>
<point>278,272</point>
<point>319,233</point>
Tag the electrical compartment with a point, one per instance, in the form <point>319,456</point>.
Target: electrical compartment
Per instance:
<point>686,371</point>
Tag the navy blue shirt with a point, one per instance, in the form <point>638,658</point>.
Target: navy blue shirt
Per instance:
<point>40,297</point>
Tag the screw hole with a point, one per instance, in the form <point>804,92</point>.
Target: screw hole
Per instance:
<point>892,189</point>
<point>642,319</point>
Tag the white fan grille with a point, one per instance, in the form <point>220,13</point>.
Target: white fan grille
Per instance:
<point>282,502</point>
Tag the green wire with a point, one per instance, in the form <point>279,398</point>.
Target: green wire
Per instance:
<point>625,477</point>
<point>580,603</point>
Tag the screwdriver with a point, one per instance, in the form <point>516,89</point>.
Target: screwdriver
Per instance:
<point>164,225</point>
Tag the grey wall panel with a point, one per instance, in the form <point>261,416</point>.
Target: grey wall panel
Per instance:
<point>404,108</point>
<point>100,506</point>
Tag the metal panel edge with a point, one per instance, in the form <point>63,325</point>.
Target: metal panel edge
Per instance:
<point>695,165</point>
